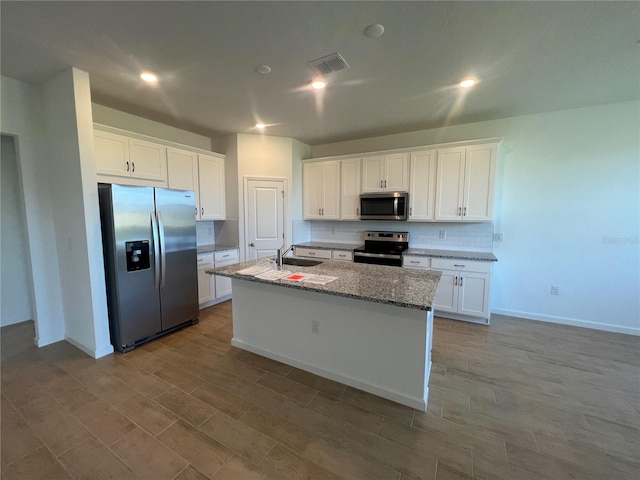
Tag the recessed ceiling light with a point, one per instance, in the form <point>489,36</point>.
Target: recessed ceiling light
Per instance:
<point>264,69</point>
<point>260,126</point>
<point>374,31</point>
<point>318,84</point>
<point>467,83</point>
<point>149,77</point>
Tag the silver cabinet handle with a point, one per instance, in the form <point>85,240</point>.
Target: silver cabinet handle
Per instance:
<point>460,211</point>
<point>133,166</point>
<point>196,208</point>
<point>223,256</point>
<point>414,261</point>
<point>252,244</point>
<point>201,210</point>
<point>357,212</point>
<point>410,210</point>
<point>380,183</point>
<point>127,166</point>
<point>464,212</point>
<point>460,281</point>
<point>455,281</point>
<point>311,253</point>
<point>385,184</point>
<point>319,211</point>
<point>458,265</point>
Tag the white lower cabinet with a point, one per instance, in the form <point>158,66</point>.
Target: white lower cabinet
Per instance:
<point>214,289</point>
<point>464,290</point>
<point>206,284</point>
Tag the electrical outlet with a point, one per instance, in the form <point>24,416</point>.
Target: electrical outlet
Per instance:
<point>315,327</point>
<point>497,237</point>
<point>442,235</point>
<point>555,290</point>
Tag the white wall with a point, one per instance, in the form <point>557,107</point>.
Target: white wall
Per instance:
<point>567,202</point>
<point>22,116</point>
<point>115,118</point>
<point>265,156</point>
<point>15,285</point>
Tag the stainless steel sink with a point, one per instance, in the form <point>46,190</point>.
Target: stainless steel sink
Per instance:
<point>300,262</point>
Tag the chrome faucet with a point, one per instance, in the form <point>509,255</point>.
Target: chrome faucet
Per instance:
<point>280,255</point>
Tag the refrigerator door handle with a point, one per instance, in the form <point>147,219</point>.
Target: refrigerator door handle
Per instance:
<point>156,249</point>
<point>163,253</point>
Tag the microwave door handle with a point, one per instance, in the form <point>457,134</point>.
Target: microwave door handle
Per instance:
<point>395,206</point>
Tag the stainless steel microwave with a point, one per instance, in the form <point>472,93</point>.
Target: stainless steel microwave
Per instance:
<point>384,206</point>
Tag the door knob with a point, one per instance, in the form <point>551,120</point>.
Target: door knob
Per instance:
<point>252,244</point>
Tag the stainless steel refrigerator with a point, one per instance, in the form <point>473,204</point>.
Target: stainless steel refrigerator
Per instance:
<point>149,243</point>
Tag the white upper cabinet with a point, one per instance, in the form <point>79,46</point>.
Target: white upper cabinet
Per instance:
<point>211,188</point>
<point>117,155</point>
<point>112,154</point>
<point>204,175</point>
<point>321,190</point>
<point>422,189</point>
<point>382,173</point>
<point>465,183</point>
<point>182,173</point>
<point>350,189</point>
<point>148,160</point>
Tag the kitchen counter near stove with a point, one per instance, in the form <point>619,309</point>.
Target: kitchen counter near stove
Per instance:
<point>453,254</point>
<point>402,287</point>
<point>371,328</point>
<point>329,245</point>
<point>214,247</point>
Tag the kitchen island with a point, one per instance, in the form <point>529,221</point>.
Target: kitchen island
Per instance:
<point>370,328</point>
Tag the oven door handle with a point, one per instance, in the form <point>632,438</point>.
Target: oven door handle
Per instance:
<point>376,255</point>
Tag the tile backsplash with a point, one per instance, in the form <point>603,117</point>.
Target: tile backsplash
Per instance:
<point>205,233</point>
<point>457,236</point>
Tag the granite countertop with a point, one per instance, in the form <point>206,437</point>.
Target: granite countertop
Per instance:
<point>328,245</point>
<point>403,287</point>
<point>457,254</point>
<point>214,248</point>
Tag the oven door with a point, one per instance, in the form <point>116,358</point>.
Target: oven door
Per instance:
<point>378,258</point>
<point>384,206</point>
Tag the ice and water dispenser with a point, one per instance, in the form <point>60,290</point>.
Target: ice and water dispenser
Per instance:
<point>137,255</point>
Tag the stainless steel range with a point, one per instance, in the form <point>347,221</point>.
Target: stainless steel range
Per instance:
<point>382,248</point>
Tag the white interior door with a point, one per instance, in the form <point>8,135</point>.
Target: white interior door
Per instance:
<point>264,218</point>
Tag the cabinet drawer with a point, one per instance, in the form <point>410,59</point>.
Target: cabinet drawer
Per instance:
<point>313,253</point>
<point>205,260</point>
<point>345,255</point>
<point>462,265</point>
<point>226,256</point>
<point>412,261</point>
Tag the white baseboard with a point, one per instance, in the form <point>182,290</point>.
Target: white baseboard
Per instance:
<point>214,302</point>
<point>607,327</point>
<point>44,341</point>
<point>92,352</point>
<point>417,403</point>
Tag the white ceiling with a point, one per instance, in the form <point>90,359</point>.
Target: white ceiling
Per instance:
<point>529,56</point>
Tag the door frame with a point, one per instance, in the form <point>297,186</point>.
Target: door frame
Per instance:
<point>245,211</point>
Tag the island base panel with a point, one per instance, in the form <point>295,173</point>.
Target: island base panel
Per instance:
<point>381,349</point>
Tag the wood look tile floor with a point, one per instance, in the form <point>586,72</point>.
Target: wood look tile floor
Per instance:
<point>516,400</point>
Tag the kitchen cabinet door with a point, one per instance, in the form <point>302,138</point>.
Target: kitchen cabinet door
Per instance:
<point>312,191</point>
<point>321,190</point>
<point>350,189</point>
<point>422,187</point>
<point>474,290</point>
<point>396,168</point>
<point>450,184</point>
<point>182,172</point>
<point>330,190</point>
<point>206,284</point>
<point>148,160</point>
<point>373,173</point>
<point>112,154</point>
<point>211,188</point>
<point>479,175</point>
<point>446,299</point>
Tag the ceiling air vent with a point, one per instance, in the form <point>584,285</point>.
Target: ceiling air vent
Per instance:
<point>328,64</point>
